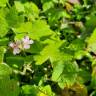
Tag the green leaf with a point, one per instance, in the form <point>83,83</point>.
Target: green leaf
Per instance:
<point>3,3</point>
<point>36,47</point>
<point>45,91</point>
<point>40,29</point>
<point>47,5</point>
<point>4,41</point>
<point>31,7</point>
<point>31,10</point>
<point>93,80</point>
<point>30,90</point>
<point>19,36</point>
<point>92,42</point>
<point>77,44</point>
<point>2,51</point>
<point>79,54</point>
<point>13,19</point>
<point>53,54</point>
<point>58,70</point>
<point>3,27</point>
<point>8,87</point>
<point>5,70</point>
<point>37,90</point>
<point>82,78</point>
<point>15,61</point>
<point>55,14</point>
<point>67,75</point>
<point>35,30</point>
<point>90,23</point>
<point>19,6</point>
<point>23,28</point>
<point>28,59</point>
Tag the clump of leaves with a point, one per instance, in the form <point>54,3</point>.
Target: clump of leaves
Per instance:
<point>46,44</point>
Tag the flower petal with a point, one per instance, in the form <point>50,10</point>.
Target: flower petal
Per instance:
<point>11,44</point>
<point>26,37</point>
<point>26,46</point>
<point>16,51</point>
<point>31,42</point>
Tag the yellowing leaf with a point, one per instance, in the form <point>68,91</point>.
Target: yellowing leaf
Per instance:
<point>41,94</point>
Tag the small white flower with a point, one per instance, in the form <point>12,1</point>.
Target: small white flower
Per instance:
<point>11,44</point>
<point>26,42</point>
<point>15,47</point>
<point>16,51</point>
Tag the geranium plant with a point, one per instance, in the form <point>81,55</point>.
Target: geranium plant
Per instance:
<point>47,48</point>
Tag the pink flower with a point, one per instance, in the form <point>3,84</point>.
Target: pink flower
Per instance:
<point>26,42</point>
<point>15,47</point>
<point>18,46</point>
